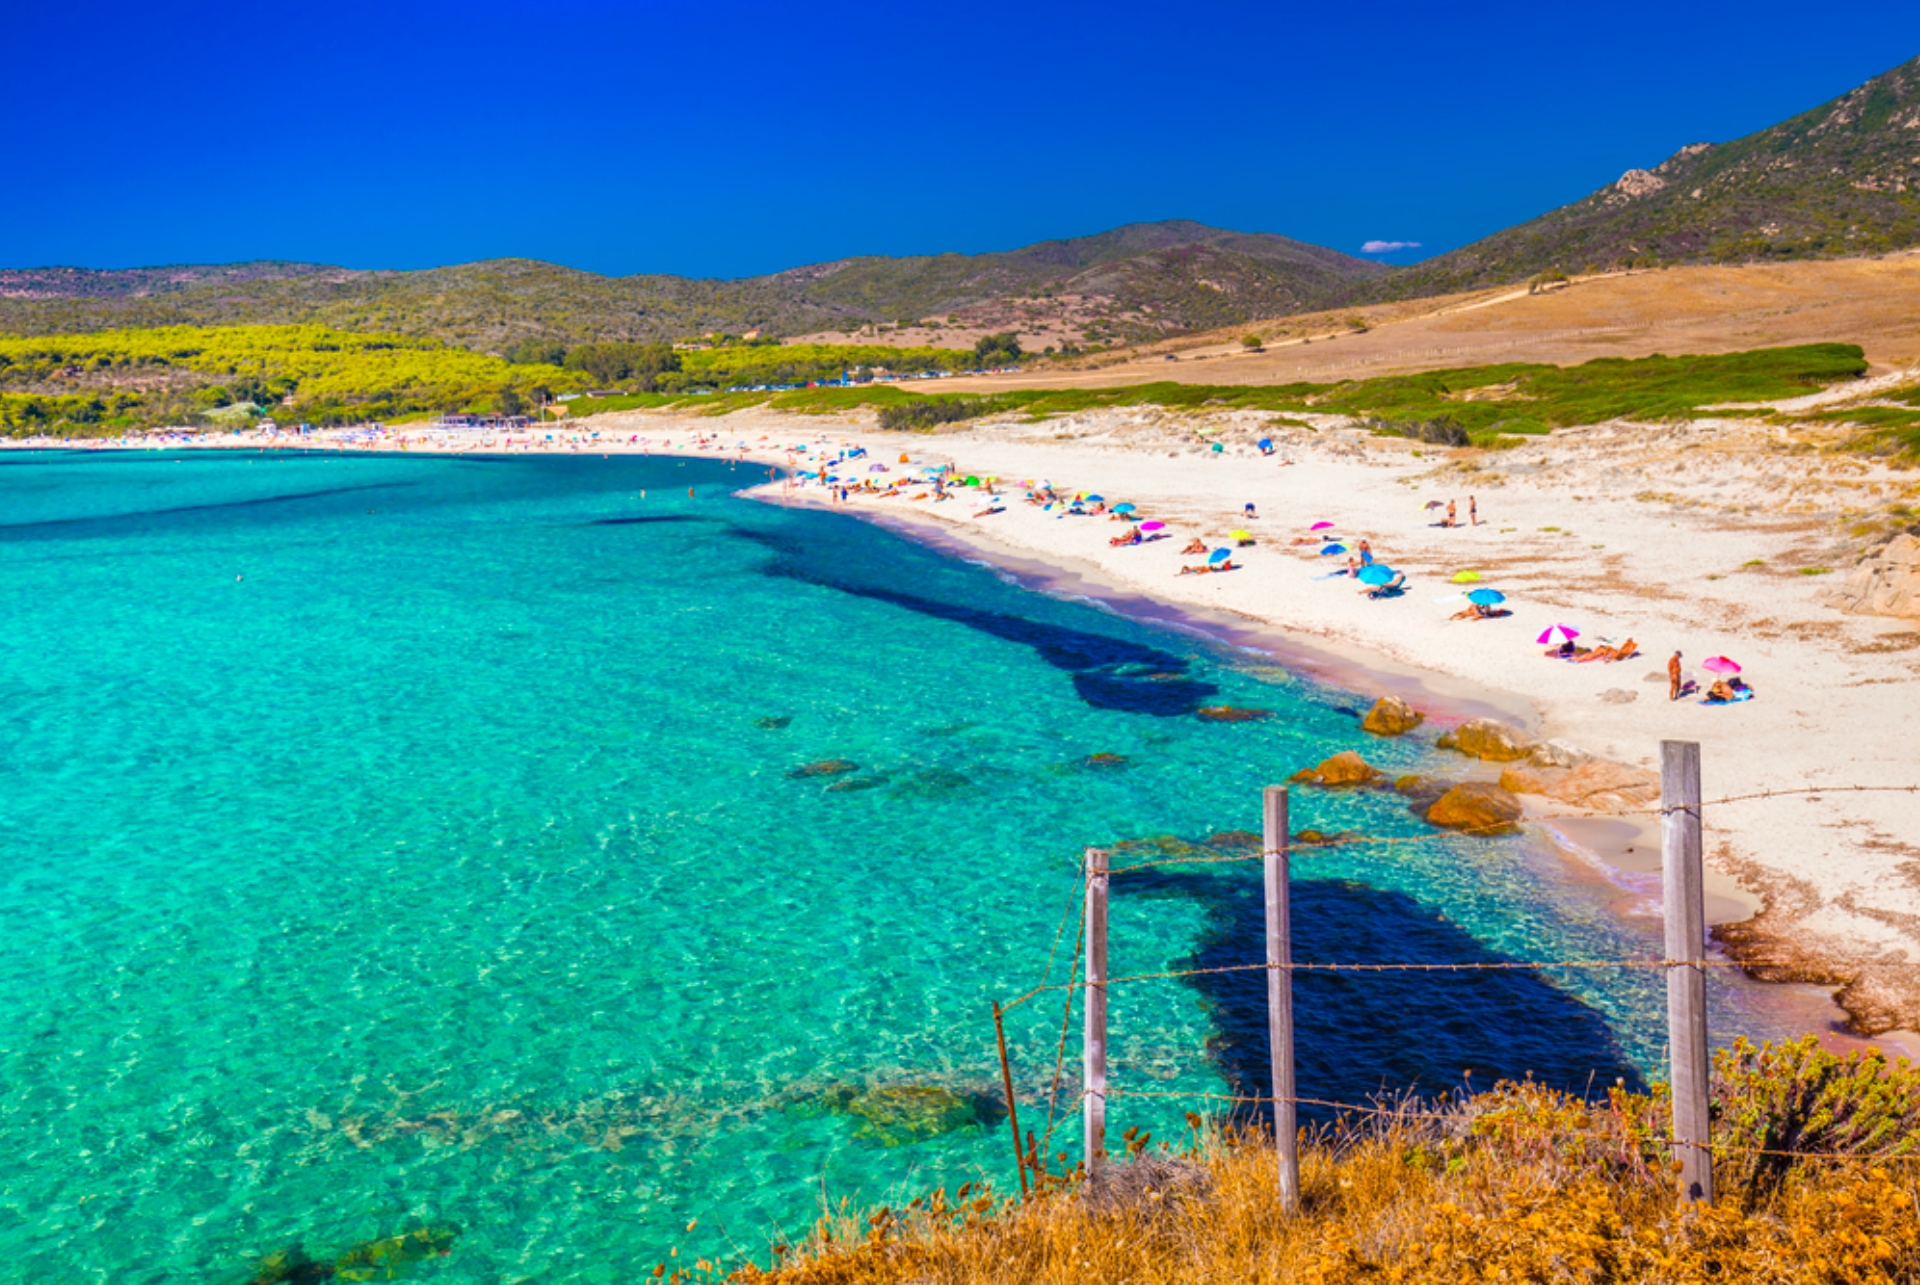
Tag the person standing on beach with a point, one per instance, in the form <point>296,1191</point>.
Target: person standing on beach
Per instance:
<point>1453,514</point>
<point>1473,512</point>
<point>1673,677</point>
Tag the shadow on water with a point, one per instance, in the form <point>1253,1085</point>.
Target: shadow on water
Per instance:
<point>1108,673</point>
<point>1360,1034</point>
<point>649,521</point>
<point>110,523</point>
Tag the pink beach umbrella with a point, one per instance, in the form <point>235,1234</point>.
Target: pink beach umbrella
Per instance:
<point>1153,526</point>
<point>1558,634</point>
<point>1720,665</point>
<point>1321,526</point>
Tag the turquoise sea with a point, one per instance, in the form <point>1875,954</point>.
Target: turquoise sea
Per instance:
<point>398,841</point>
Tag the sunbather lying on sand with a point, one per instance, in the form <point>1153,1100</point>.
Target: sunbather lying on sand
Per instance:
<point>1608,652</point>
<point>1195,545</point>
<point>1131,537</point>
<point>1390,588</point>
<point>1200,570</point>
<point>1475,611</point>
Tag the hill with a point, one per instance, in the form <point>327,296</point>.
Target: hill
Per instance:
<point>1134,282</point>
<point>1842,179</point>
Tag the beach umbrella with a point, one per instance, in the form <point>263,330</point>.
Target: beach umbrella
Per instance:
<point>1218,556</point>
<point>1266,443</point>
<point>1321,526</point>
<point>1557,634</point>
<point>1240,535</point>
<point>1465,577</point>
<point>1153,526</point>
<point>1094,499</point>
<point>1720,665</point>
<point>1376,574</point>
<point>1486,597</point>
<point>972,481</point>
<point>1123,508</point>
<point>1434,504</point>
<point>1218,447</point>
<point>903,458</point>
<point>876,468</point>
<point>1333,549</point>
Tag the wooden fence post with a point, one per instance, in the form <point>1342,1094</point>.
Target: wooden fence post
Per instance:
<point>1286,1125</point>
<point>1684,901</point>
<point>1094,1044</point>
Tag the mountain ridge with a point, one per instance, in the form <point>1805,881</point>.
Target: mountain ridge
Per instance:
<point>1839,180</point>
<point>1132,282</point>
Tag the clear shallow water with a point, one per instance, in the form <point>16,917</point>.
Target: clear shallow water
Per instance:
<point>439,870</point>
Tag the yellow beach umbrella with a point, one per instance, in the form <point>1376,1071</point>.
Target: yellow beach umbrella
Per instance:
<point>1241,535</point>
<point>1465,577</point>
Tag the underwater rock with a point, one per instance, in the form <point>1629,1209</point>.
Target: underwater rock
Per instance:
<point>290,1267</point>
<point>772,722</point>
<point>1480,806</point>
<point>1105,762</point>
<point>1344,768</point>
<point>933,783</point>
<point>1157,845</point>
<point>825,767</point>
<point>390,1258</point>
<point>1391,716</point>
<point>1235,843</point>
<point>895,1114</point>
<point>857,783</point>
<point>1423,790</point>
<point>898,1114</point>
<point>1231,714</point>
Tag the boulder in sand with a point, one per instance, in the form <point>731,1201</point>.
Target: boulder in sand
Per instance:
<point>1596,783</point>
<point>1479,806</point>
<point>1391,716</point>
<point>1886,584</point>
<point>1344,768</point>
<point>1484,738</point>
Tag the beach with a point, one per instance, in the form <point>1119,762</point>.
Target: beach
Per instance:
<point>1715,538</point>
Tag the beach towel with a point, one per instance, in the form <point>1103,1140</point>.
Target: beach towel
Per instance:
<point>1738,697</point>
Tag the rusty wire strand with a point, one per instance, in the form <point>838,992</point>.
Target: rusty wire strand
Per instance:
<point>1500,966</point>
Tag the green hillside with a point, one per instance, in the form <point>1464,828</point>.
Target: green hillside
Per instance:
<point>1842,179</point>
<point>1142,281</point>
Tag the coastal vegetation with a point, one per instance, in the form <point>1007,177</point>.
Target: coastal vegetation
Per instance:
<point>112,381</point>
<point>1815,1172</point>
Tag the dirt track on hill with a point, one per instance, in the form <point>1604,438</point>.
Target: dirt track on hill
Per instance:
<point>1872,302</point>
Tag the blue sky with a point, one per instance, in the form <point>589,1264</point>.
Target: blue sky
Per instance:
<point>734,138</point>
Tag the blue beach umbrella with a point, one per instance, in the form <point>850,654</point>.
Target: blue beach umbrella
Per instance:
<point>1376,574</point>
<point>1219,556</point>
<point>1486,597</point>
<point>1094,499</point>
<point>1266,443</point>
<point>1123,508</point>
<point>1332,549</point>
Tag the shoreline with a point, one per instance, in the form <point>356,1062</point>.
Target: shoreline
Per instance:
<point>1788,912</point>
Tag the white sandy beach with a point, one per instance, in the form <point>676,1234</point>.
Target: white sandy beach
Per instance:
<point>1687,537</point>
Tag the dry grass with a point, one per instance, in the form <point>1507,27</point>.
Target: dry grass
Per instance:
<point>1519,1184</point>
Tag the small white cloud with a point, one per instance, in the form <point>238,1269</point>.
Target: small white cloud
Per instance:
<point>1387,247</point>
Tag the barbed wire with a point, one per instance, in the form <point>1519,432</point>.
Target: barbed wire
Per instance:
<point>1485,966</point>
